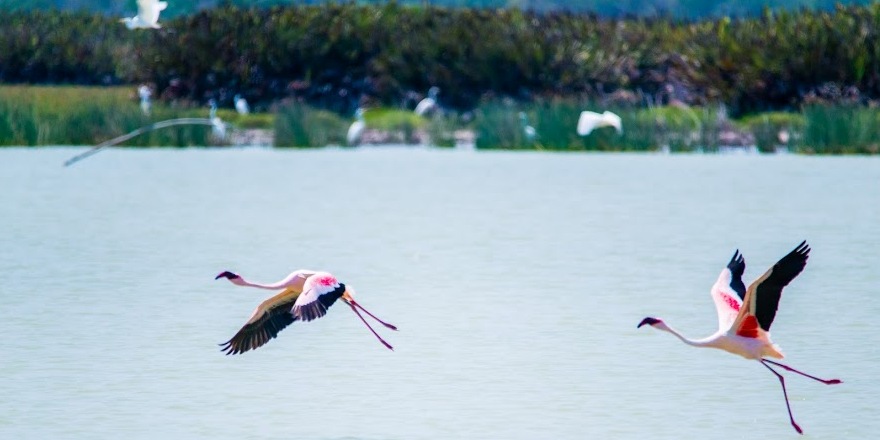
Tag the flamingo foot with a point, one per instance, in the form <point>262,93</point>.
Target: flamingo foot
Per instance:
<point>797,428</point>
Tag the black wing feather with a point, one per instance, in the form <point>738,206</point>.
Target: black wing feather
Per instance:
<point>770,290</point>
<point>317,309</point>
<point>737,266</point>
<point>257,333</point>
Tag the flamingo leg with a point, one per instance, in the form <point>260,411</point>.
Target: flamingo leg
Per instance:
<point>356,304</point>
<point>787,368</point>
<point>784,393</point>
<point>371,328</point>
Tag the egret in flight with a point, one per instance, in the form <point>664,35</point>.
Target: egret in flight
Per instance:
<point>306,296</point>
<point>745,315</point>
<point>590,121</point>
<point>147,16</point>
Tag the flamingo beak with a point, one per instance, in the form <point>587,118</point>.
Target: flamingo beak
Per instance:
<point>226,274</point>
<point>347,296</point>
<point>649,321</point>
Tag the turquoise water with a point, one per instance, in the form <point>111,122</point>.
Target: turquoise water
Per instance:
<point>516,280</point>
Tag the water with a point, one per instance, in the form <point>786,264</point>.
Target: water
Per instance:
<point>516,280</point>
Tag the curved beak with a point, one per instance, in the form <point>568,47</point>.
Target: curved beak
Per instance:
<point>649,321</point>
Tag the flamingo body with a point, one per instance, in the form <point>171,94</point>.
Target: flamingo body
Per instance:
<point>306,295</point>
<point>745,315</point>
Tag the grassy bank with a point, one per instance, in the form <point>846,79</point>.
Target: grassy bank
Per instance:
<point>89,115</point>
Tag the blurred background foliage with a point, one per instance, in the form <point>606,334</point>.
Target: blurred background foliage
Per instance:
<point>339,56</point>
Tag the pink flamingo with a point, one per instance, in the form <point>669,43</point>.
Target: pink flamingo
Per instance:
<point>744,316</point>
<point>306,296</point>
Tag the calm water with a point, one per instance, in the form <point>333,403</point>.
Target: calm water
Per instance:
<point>516,280</point>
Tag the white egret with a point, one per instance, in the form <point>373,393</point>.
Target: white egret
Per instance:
<point>144,93</point>
<point>218,127</point>
<point>590,121</point>
<point>241,105</point>
<point>528,131</point>
<point>428,104</point>
<point>147,16</point>
<point>357,128</point>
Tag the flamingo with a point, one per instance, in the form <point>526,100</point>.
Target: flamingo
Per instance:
<point>744,316</point>
<point>306,295</point>
<point>147,16</point>
<point>589,121</point>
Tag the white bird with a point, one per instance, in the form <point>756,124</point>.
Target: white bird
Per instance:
<point>144,93</point>
<point>357,128</point>
<point>528,131</point>
<point>744,316</point>
<point>428,104</point>
<point>306,295</point>
<point>218,127</point>
<point>147,16</point>
<point>241,105</point>
<point>590,121</point>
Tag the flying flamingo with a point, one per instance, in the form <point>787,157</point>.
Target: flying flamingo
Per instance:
<point>306,296</point>
<point>744,316</point>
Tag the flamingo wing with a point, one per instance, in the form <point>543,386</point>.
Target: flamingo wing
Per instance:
<point>319,293</point>
<point>762,297</point>
<point>729,291</point>
<point>269,318</point>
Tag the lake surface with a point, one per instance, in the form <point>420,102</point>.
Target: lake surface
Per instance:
<point>516,279</point>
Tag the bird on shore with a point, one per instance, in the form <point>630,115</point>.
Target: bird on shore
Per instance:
<point>306,296</point>
<point>356,129</point>
<point>429,104</point>
<point>147,16</point>
<point>589,121</point>
<point>745,315</point>
<point>218,127</point>
<point>144,93</point>
<point>528,131</point>
<point>241,105</point>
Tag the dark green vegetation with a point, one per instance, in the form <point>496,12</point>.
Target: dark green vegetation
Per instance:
<point>676,8</point>
<point>335,56</point>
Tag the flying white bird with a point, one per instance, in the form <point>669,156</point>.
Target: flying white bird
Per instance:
<point>428,104</point>
<point>147,16</point>
<point>357,128</point>
<point>306,296</point>
<point>744,316</point>
<point>241,105</point>
<point>590,121</point>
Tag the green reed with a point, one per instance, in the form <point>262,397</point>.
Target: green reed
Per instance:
<point>299,125</point>
<point>840,130</point>
<point>33,116</point>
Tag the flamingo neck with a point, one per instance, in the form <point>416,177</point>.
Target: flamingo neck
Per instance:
<point>706,342</point>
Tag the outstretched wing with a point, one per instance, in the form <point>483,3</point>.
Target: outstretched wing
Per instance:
<point>729,291</point>
<point>269,318</point>
<point>762,297</point>
<point>319,293</point>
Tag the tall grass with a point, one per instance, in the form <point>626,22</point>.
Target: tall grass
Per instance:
<point>841,130</point>
<point>33,116</point>
<point>299,125</point>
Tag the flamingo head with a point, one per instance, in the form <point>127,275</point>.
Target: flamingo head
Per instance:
<point>653,322</point>
<point>233,278</point>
